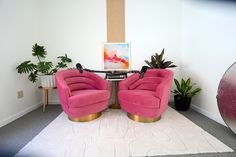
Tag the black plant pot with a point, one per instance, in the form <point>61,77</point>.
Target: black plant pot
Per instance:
<point>182,103</point>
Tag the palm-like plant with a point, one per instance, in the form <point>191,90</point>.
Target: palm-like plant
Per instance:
<point>158,62</point>
<point>42,67</point>
<point>185,88</point>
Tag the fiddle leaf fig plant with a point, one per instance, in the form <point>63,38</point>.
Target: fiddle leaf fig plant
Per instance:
<point>42,67</point>
<point>158,62</point>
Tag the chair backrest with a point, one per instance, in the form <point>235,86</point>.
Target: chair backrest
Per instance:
<point>151,79</point>
<point>146,83</point>
<point>78,81</point>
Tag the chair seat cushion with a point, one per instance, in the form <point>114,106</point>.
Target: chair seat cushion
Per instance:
<point>142,98</point>
<point>87,97</point>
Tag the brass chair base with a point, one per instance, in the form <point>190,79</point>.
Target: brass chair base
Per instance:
<point>142,119</point>
<point>86,118</point>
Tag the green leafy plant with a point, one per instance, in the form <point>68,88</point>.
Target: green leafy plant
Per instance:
<point>158,62</point>
<point>42,67</point>
<point>185,88</point>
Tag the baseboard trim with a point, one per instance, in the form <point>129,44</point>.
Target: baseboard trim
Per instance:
<point>18,115</point>
<point>54,102</point>
<point>208,114</point>
<point>171,99</point>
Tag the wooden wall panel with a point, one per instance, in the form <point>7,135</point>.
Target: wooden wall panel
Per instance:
<point>115,20</point>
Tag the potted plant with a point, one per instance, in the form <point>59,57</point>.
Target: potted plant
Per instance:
<point>44,69</point>
<point>183,94</point>
<point>158,62</point>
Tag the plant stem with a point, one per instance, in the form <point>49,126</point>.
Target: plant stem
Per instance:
<point>39,59</point>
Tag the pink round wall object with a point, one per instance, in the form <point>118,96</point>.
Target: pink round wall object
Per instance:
<point>226,97</point>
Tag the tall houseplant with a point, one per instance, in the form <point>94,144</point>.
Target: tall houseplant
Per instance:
<point>158,61</point>
<point>183,94</point>
<point>42,68</point>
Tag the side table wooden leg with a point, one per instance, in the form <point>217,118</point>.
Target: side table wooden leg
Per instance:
<point>116,104</point>
<point>45,102</point>
<point>116,94</point>
<point>46,96</point>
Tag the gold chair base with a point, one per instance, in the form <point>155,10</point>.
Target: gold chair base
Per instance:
<point>114,106</point>
<point>86,118</point>
<point>142,119</point>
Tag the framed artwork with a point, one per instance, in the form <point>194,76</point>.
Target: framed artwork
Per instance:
<point>116,56</point>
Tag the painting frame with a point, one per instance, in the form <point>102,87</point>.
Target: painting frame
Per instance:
<point>116,56</point>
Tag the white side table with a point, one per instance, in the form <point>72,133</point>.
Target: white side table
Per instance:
<point>45,95</point>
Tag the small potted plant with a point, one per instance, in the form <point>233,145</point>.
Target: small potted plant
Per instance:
<point>43,68</point>
<point>183,94</point>
<point>158,62</point>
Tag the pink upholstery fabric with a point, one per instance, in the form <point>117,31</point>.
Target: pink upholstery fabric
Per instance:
<point>146,97</point>
<point>81,94</point>
<point>87,97</point>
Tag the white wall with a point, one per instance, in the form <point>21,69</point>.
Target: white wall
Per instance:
<point>198,36</point>
<point>18,32</point>
<point>209,48</point>
<point>75,27</point>
<point>152,25</point>
<point>79,28</point>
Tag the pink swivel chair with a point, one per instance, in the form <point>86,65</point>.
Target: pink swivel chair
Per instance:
<point>146,99</point>
<point>82,95</point>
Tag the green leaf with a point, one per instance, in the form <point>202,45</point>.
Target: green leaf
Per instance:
<point>26,67</point>
<point>172,66</point>
<point>65,59</point>
<point>44,67</point>
<point>166,64</point>
<point>162,52</point>
<point>61,65</point>
<point>188,81</point>
<point>33,76</point>
<point>53,71</point>
<point>186,86</point>
<point>149,64</point>
<point>176,92</point>
<point>153,61</point>
<point>194,92</point>
<point>158,61</point>
<point>39,51</point>
<point>183,86</point>
<point>184,89</point>
<point>177,85</point>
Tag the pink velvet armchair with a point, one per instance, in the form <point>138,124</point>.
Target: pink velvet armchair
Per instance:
<point>146,99</point>
<point>82,95</point>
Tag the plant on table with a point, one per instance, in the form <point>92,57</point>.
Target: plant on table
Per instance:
<point>42,67</point>
<point>158,61</point>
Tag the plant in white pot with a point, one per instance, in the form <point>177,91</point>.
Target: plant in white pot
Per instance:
<point>43,69</point>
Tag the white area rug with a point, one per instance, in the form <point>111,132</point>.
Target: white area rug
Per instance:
<point>114,135</point>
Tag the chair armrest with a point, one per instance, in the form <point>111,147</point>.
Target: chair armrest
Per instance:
<point>103,84</point>
<point>124,84</point>
<point>160,89</point>
<point>163,90</point>
<point>63,91</point>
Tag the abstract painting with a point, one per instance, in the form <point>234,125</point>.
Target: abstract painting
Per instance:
<point>116,56</point>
